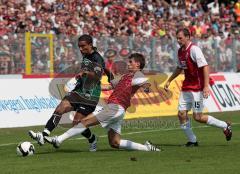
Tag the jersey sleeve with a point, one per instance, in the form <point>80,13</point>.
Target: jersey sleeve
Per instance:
<point>100,60</point>
<point>197,56</point>
<point>98,70</point>
<point>139,79</point>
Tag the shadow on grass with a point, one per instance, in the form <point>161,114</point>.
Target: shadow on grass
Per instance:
<point>168,145</point>
<point>77,151</point>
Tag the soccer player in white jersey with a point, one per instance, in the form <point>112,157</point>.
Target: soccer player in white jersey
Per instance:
<point>111,116</point>
<point>195,87</point>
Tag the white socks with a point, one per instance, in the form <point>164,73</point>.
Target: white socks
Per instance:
<point>78,129</point>
<point>217,123</point>
<point>46,131</point>
<point>211,121</point>
<point>129,145</point>
<point>188,132</point>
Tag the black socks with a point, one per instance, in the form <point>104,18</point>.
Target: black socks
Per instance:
<point>53,122</point>
<point>88,134</point>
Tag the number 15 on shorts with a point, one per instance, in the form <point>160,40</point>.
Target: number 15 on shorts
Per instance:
<point>197,105</point>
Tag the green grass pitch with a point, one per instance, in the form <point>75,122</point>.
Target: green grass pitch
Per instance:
<point>214,155</point>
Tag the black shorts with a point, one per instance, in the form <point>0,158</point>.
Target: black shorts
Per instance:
<point>79,104</point>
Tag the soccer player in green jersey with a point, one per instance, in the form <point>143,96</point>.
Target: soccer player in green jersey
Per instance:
<point>84,97</point>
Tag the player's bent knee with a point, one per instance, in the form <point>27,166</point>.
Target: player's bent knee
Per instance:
<point>63,109</point>
<point>182,115</point>
<point>114,144</point>
<point>197,117</point>
<point>84,123</point>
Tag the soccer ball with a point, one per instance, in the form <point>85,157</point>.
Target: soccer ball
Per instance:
<point>25,149</point>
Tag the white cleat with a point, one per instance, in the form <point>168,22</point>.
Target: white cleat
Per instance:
<point>93,145</point>
<point>37,136</point>
<point>53,140</point>
<point>151,147</point>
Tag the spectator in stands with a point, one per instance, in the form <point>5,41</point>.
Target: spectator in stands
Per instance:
<point>117,19</point>
<point>111,57</point>
<point>237,11</point>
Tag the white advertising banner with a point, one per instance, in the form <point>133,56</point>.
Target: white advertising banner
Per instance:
<point>225,93</point>
<point>25,102</point>
<point>30,102</point>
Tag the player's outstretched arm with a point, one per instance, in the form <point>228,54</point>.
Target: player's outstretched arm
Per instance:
<point>206,90</point>
<point>109,75</point>
<point>172,77</point>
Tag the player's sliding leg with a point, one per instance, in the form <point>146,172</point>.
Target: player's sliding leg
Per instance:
<point>212,121</point>
<point>58,140</point>
<point>40,137</point>
<point>115,141</point>
<point>130,145</point>
<point>114,138</point>
<point>77,129</point>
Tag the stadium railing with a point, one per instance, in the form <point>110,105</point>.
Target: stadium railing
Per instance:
<point>32,53</point>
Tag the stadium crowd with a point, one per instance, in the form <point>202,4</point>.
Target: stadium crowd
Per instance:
<point>147,26</point>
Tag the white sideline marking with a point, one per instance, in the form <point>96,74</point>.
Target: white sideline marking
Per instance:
<point>129,133</point>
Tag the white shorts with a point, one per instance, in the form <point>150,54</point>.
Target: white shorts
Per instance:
<point>110,116</point>
<point>191,100</point>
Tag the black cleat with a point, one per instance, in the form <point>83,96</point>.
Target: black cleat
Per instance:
<point>228,132</point>
<point>37,136</point>
<point>191,144</point>
<point>151,147</point>
<point>53,140</point>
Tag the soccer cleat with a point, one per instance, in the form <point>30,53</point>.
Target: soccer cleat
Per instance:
<point>93,145</point>
<point>37,136</point>
<point>53,140</point>
<point>228,132</point>
<point>151,147</point>
<point>191,144</point>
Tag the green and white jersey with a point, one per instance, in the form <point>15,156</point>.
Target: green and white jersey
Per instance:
<point>88,87</point>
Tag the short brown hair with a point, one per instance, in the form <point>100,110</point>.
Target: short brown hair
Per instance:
<point>138,58</point>
<point>185,31</point>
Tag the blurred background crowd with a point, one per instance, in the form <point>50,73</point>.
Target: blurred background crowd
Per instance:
<point>119,28</point>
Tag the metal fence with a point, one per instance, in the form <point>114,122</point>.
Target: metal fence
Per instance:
<point>222,54</point>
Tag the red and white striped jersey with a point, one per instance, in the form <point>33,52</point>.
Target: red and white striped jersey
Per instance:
<point>192,61</point>
<point>125,88</point>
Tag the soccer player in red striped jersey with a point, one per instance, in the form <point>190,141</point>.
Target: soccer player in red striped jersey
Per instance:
<point>111,116</point>
<point>195,87</point>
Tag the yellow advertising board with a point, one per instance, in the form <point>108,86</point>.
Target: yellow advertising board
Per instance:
<point>156,103</point>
